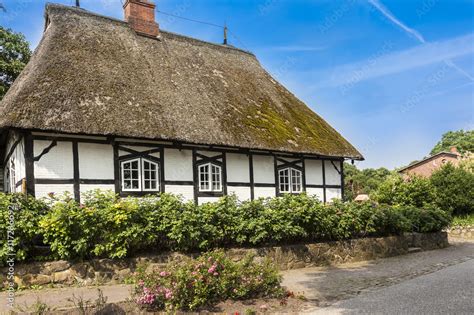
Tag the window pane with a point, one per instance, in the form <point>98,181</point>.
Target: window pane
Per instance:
<point>216,178</point>
<point>204,177</point>
<point>135,184</point>
<point>284,180</point>
<point>131,175</point>
<point>135,174</point>
<point>296,180</point>
<point>150,175</point>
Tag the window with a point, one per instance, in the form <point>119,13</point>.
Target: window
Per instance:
<point>290,180</point>
<point>140,175</point>
<point>210,178</point>
<point>150,176</point>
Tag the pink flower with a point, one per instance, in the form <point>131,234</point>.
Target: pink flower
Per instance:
<point>212,269</point>
<point>146,298</point>
<point>215,273</point>
<point>163,274</point>
<point>168,294</point>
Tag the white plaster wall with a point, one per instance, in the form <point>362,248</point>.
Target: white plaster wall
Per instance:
<point>87,187</point>
<point>203,200</point>
<point>332,193</point>
<point>43,190</point>
<point>314,172</point>
<point>96,161</point>
<point>238,169</point>
<point>178,164</point>
<point>264,192</point>
<point>187,192</point>
<point>332,176</point>
<point>209,153</point>
<point>242,193</point>
<point>263,169</point>
<point>318,192</point>
<point>139,149</point>
<point>57,163</point>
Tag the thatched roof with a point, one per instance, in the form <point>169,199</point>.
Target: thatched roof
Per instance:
<point>94,75</point>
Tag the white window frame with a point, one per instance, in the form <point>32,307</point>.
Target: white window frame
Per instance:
<point>290,171</point>
<point>157,174</point>
<point>141,175</point>
<point>122,169</point>
<point>209,180</point>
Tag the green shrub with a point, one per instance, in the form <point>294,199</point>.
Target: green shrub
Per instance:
<point>108,226</point>
<point>70,229</point>
<point>415,191</point>
<point>103,226</point>
<point>426,220</point>
<point>454,188</point>
<point>209,279</point>
<point>25,225</point>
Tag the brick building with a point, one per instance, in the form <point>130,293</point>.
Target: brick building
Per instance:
<point>427,166</point>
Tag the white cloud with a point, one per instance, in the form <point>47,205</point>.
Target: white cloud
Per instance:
<point>400,61</point>
<point>389,15</point>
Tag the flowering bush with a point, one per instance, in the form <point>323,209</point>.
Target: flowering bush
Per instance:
<point>191,284</point>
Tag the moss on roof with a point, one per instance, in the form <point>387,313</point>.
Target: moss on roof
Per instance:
<point>94,75</point>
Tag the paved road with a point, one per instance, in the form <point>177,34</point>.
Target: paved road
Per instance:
<point>447,291</point>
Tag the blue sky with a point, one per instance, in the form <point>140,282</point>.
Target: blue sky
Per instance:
<point>390,75</point>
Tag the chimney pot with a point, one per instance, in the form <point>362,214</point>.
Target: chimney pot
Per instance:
<point>454,149</point>
<point>140,15</point>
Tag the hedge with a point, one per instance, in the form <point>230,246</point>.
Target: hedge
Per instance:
<point>108,226</point>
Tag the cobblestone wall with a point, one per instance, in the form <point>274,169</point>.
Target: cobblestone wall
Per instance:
<point>100,271</point>
<point>464,232</point>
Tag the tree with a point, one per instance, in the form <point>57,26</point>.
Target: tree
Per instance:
<point>363,181</point>
<point>454,187</point>
<point>14,55</point>
<point>462,140</point>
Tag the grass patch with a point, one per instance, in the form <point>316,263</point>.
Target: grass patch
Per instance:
<point>465,220</point>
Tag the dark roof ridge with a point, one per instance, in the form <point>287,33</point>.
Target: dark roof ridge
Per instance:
<point>50,5</point>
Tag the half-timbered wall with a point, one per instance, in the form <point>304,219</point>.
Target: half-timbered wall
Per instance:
<point>15,156</point>
<point>77,164</point>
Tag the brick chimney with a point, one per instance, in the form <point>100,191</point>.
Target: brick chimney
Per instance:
<point>454,150</point>
<point>140,14</point>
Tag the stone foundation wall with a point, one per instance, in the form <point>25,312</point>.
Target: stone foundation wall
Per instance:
<point>464,232</point>
<point>100,271</point>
